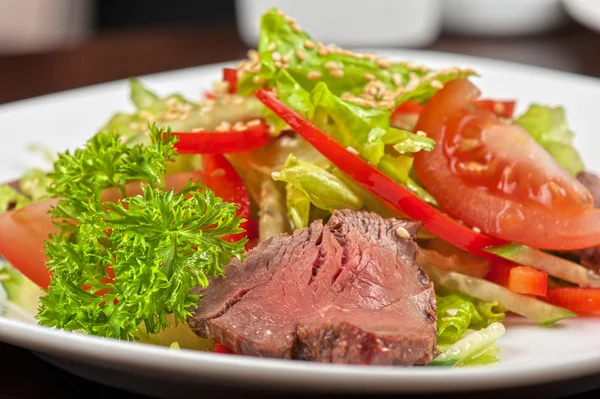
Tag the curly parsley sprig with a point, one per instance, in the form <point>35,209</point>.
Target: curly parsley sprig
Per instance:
<point>136,261</point>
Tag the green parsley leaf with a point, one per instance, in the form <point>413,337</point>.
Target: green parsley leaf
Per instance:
<point>122,266</point>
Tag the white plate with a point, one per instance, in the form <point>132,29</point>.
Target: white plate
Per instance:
<point>586,12</point>
<point>529,354</point>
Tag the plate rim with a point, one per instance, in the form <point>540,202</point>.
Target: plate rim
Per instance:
<point>272,371</point>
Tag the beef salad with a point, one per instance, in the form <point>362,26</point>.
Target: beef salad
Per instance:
<point>316,204</point>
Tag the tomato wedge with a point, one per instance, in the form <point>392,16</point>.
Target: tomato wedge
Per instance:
<point>503,108</point>
<point>496,177</point>
<point>583,301</point>
<point>379,184</point>
<point>252,138</point>
<point>25,230</point>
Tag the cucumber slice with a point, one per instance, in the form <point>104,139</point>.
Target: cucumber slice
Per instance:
<point>534,309</point>
<point>553,265</point>
<point>469,348</point>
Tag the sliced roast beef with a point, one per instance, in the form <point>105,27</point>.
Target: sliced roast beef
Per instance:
<point>589,257</point>
<point>344,292</point>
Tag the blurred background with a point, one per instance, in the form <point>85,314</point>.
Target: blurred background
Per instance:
<point>54,45</point>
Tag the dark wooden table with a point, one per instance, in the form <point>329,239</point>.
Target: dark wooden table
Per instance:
<point>118,55</point>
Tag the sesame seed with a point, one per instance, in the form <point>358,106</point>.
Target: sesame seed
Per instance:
<point>296,28</point>
<point>336,73</point>
<point>223,127</point>
<point>4,277</point>
<point>309,45</point>
<point>397,79</point>
<point>253,122</point>
<point>436,84</point>
<point>205,109</point>
<point>387,104</point>
<point>421,133</point>
<point>278,64</point>
<point>452,312</point>
<point>370,56</point>
<point>171,116</point>
<point>285,66</point>
<point>402,232</point>
<point>146,115</point>
<point>185,116</point>
<point>276,56</point>
<point>258,80</point>
<point>291,20</point>
<point>477,230</point>
<point>413,76</point>
<point>287,58</point>
<point>370,76</point>
<point>352,150</point>
<point>499,108</point>
<point>253,55</point>
<point>469,144</point>
<point>237,100</point>
<point>346,95</point>
<point>314,75</point>
<point>272,47</point>
<point>198,130</point>
<point>383,63</point>
<point>281,14</point>
<point>332,65</point>
<point>474,166</point>
<point>275,175</point>
<point>218,172</point>
<point>272,130</point>
<point>171,102</point>
<point>300,54</point>
<point>240,127</point>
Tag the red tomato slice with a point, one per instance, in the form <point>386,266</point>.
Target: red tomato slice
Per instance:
<point>503,108</point>
<point>495,177</point>
<point>22,235</point>
<point>583,301</point>
<point>25,230</point>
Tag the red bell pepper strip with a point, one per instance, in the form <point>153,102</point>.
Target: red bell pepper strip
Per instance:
<point>230,76</point>
<point>251,139</point>
<point>220,348</point>
<point>221,177</point>
<point>379,184</point>
<point>583,301</point>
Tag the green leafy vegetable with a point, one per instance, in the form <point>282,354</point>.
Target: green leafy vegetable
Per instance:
<point>366,130</point>
<point>475,348</point>
<point>308,183</point>
<point>178,113</point>
<point>548,126</point>
<point>283,44</point>
<point>456,313</point>
<point>9,197</point>
<point>539,311</point>
<point>134,262</point>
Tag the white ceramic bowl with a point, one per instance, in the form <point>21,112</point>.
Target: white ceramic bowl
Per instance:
<point>351,23</point>
<point>502,17</point>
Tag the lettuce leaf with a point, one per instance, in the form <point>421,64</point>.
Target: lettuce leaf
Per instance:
<point>280,36</point>
<point>548,126</point>
<point>310,184</point>
<point>9,197</point>
<point>366,130</point>
<point>474,348</point>
<point>458,313</point>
